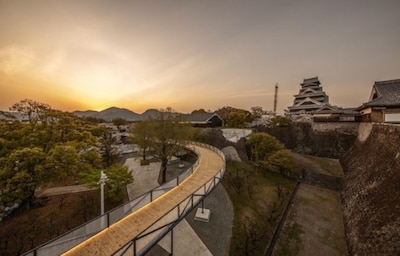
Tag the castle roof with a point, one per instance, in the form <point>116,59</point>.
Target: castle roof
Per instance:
<point>310,81</point>
<point>385,93</point>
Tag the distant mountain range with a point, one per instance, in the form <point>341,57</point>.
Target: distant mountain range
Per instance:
<point>111,113</point>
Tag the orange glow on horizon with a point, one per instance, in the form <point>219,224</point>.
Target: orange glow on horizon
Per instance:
<point>82,55</point>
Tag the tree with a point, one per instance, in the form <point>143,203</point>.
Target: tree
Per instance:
<point>236,119</point>
<point>32,109</point>
<point>118,176</point>
<point>141,135</point>
<point>280,161</point>
<point>257,111</point>
<point>224,111</point>
<point>119,122</point>
<point>254,234</point>
<point>199,111</point>
<point>280,121</point>
<point>63,161</point>
<point>262,146</point>
<point>167,136</point>
<point>108,152</point>
<point>20,174</point>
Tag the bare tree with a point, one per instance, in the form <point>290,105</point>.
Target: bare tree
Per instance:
<point>32,109</point>
<point>167,135</point>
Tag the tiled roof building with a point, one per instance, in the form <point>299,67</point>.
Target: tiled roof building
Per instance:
<point>203,119</point>
<point>311,99</point>
<point>385,93</point>
<point>384,102</point>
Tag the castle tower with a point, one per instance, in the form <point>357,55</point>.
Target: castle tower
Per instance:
<point>311,98</point>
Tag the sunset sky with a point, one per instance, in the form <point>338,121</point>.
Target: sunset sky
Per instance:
<point>81,54</point>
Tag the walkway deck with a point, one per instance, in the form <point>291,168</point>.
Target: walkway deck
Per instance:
<point>117,235</point>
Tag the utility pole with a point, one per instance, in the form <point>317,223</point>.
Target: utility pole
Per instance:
<point>103,179</point>
<point>276,98</point>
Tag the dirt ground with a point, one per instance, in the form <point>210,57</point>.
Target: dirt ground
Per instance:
<point>317,214</point>
<point>305,163</point>
<point>315,222</point>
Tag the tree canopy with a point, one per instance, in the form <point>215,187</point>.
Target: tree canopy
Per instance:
<point>165,134</point>
<point>141,135</point>
<point>119,122</point>
<point>32,109</point>
<point>118,176</point>
<point>54,146</point>
<point>262,146</point>
<point>235,117</point>
<point>269,153</point>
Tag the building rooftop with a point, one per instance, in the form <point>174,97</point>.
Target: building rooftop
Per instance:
<point>199,117</point>
<point>310,81</point>
<point>385,93</point>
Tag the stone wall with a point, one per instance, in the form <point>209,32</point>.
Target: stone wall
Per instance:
<point>371,191</point>
<point>325,139</point>
<point>342,127</point>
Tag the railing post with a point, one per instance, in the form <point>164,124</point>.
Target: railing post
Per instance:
<point>172,241</point>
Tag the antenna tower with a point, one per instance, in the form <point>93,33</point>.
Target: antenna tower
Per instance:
<point>276,98</point>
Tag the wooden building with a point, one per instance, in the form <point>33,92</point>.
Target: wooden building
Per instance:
<point>311,99</point>
<point>383,104</point>
<point>204,119</point>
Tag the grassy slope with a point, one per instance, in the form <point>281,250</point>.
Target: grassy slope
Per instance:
<point>257,206</point>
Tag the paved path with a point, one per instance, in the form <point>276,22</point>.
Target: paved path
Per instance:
<point>62,190</point>
<point>111,239</point>
<point>145,177</point>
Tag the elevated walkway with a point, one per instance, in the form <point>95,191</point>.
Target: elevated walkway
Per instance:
<point>140,230</point>
<point>153,216</point>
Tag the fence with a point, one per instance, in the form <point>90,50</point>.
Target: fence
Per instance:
<point>72,238</point>
<point>142,243</point>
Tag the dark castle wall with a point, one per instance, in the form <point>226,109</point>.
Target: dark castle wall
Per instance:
<point>324,140</point>
<point>371,192</point>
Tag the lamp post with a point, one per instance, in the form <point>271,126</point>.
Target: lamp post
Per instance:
<point>103,179</point>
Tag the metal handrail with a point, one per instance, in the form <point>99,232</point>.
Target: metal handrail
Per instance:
<point>104,221</point>
<point>166,227</point>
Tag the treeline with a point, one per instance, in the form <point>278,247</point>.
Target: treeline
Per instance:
<point>54,147</point>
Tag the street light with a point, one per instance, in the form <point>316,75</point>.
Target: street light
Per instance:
<point>103,179</point>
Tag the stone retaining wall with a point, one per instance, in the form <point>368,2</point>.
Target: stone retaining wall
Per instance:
<point>325,139</point>
<point>371,192</point>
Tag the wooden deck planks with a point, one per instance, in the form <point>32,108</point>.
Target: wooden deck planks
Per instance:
<point>111,239</point>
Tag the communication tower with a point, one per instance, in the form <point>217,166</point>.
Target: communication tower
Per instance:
<point>276,98</point>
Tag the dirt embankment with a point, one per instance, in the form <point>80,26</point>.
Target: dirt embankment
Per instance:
<point>371,193</point>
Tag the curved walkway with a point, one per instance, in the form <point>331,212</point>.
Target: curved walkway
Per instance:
<point>110,240</point>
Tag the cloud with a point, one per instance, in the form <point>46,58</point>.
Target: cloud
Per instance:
<point>16,59</point>
<point>53,62</point>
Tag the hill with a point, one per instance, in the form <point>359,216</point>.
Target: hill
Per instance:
<point>110,113</point>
